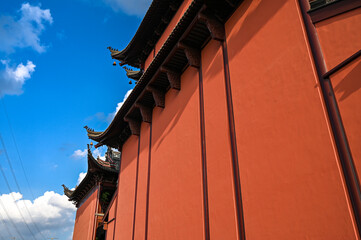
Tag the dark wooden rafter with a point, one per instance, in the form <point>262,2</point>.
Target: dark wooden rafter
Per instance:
<point>215,27</point>
<point>193,55</point>
<point>173,77</point>
<point>158,96</point>
<point>145,111</point>
<point>134,125</point>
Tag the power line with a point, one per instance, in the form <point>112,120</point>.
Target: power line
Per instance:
<point>22,166</point>
<point>3,222</point>
<point>8,185</point>
<point>3,206</point>
<point>16,146</point>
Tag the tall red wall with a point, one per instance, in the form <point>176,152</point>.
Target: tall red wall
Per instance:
<point>221,199</point>
<point>292,185</point>
<point>126,190</point>
<point>140,214</point>
<point>290,174</point>
<point>111,220</point>
<point>340,38</point>
<point>175,197</point>
<point>85,217</point>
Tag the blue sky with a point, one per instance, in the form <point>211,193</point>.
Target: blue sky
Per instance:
<point>56,76</point>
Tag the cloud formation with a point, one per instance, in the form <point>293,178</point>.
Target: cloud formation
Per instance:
<point>98,152</point>
<point>52,213</point>
<point>80,178</point>
<point>119,105</point>
<point>24,31</point>
<point>133,7</point>
<point>79,154</point>
<point>12,79</point>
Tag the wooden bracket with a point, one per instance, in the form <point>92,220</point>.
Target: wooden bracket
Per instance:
<point>134,125</point>
<point>193,55</point>
<point>158,96</point>
<point>145,111</point>
<point>215,27</point>
<point>173,78</point>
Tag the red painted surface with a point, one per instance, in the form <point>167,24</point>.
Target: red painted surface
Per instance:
<point>222,210</point>
<point>111,216</point>
<point>292,186</point>
<point>347,84</point>
<point>340,36</point>
<point>126,189</point>
<point>183,7</point>
<point>140,216</point>
<point>85,217</point>
<point>175,200</point>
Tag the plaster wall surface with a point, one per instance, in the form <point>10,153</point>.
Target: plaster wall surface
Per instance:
<point>291,181</point>
<point>126,189</point>
<point>340,37</point>
<point>175,197</point>
<point>346,84</point>
<point>111,225</point>
<point>85,218</point>
<point>140,215</point>
<point>221,200</point>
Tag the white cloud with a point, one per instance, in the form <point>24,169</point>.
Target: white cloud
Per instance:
<point>100,152</point>
<point>119,105</point>
<point>79,153</point>
<point>12,79</point>
<point>52,214</point>
<point>81,177</point>
<point>24,31</point>
<point>133,7</point>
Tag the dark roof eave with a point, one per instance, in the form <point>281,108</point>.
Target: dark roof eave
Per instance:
<point>109,133</point>
<point>131,54</point>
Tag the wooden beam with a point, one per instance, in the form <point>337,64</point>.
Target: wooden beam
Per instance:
<point>215,27</point>
<point>173,78</point>
<point>134,125</point>
<point>158,96</point>
<point>193,55</point>
<point>145,111</point>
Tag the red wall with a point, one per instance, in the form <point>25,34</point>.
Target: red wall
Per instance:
<point>347,84</point>
<point>140,216</point>
<point>292,186</point>
<point>85,217</point>
<point>221,200</point>
<point>340,38</point>
<point>126,189</point>
<point>175,197</point>
<point>111,216</point>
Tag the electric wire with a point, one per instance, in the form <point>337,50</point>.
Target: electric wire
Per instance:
<point>8,185</point>
<point>23,169</point>
<point>16,147</point>
<point>3,222</point>
<point>3,206</point>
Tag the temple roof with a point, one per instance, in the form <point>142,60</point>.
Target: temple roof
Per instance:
<point>135,75</point>
<point>98,171</point>
<point>190,30</point>
<point>151,28</point>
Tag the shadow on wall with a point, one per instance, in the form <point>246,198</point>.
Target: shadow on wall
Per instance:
<point>254,21</point>
<point>350,84</point>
